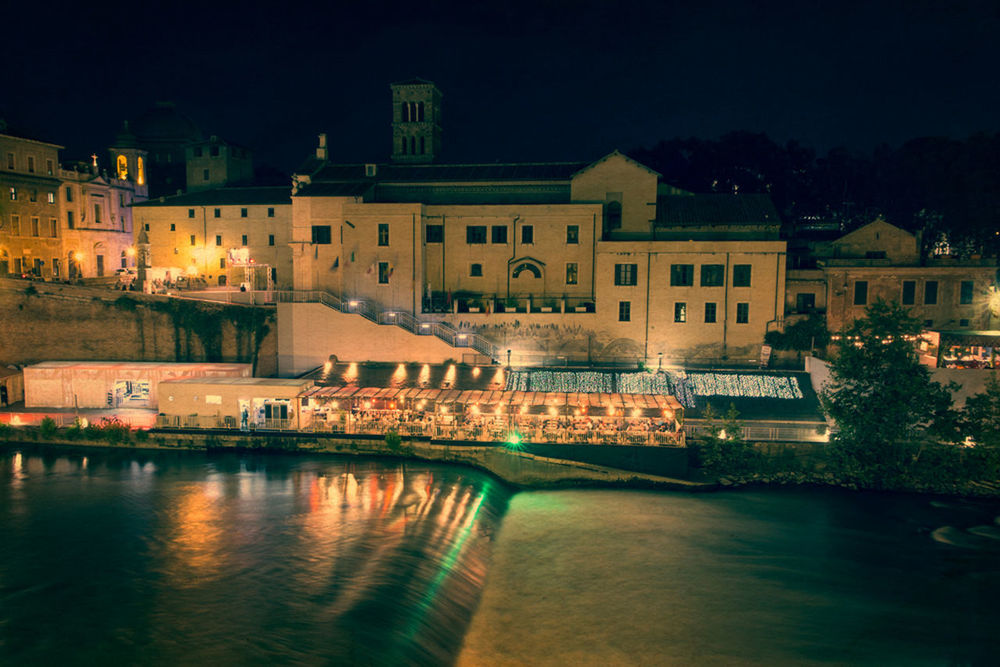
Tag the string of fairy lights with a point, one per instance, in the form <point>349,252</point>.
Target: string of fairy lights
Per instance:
<point>685,386</point>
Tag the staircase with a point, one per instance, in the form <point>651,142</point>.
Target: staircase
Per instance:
<point>375,312</point>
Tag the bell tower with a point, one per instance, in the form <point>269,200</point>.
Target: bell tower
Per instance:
<point>128,161</point>
<point>416,121</point>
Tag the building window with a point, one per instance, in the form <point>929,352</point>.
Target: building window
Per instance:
<point>243,212</point>
<point>402,145</point>
<point>571,273</point>
<point>930,292</point>
<point>713,275</point>
<point>625,274</point>
<point>476,270</point>
<point>121,199</point>
<point>270,239</point>
<point>217,213</point>
<point>34,226</point>
<point>49,167</point>
<point>965,294</point>
<point>435,233</point>
<point>55,267</point>
<point>222,262</point>
<point>190,212</point>
<point>805,302</point>
<point>498,234</point>
<point>624,311</point>
<point>13,193</point>
<point>146,226</point>
<point>15,225</point>
<point>218,239</point>
<point>140,171</point>
<point>680,312</point>
<point>10,161</point>
<point>909,292</point>
<point>270,212</point>
<point>33,195</point>
<point>475,234</point>
<point>742,313</point>
<point>527,234</point>
<point>31,164</point>
<point>321,234</point>
<point>198,151</point>
<point>963,323</point>
<point>383,233</point>
<point>710,313</point>
<point>383,273</point>
<point>53,227</point>
<point>214,151</point>
<point>423,148</point>
<point>530,268</point>
<point>70,222</point>
<point>100,265</point>
<point>244,240</point>
<point>173,227</point>
<point>612,217</point>
<point>52,197</point>
<point>124,260</point>
<point>204,174</point>
<point>572,234</point>
<point>681,275</point>
<point>97,212</point>
<point>928,324</point>
<point>192,239</point>
<point>741,275</point>
<point>69,193</point>
<point>860,292</point>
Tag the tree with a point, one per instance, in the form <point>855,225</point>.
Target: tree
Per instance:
<point>722,448</point>
<point>981,419</point>
<point>882,398</point>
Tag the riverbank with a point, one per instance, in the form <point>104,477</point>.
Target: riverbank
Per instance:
<point>517,468</point>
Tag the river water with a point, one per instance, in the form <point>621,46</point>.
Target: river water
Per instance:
<point>164,558</point>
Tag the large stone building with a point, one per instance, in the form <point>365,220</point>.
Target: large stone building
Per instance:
<point>881,261</point>
<point>226,236</point>
<point>62,223</point>
<point>595,261</point>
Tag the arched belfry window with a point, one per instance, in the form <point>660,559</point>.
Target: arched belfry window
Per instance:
<point>405,111</point>
<point>531,268</point>
<point>402,145</point>
<point>612,217</point>
<point>413,145</point>
<point>420,111</point>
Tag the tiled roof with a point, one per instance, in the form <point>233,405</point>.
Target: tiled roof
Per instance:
<point>227,197</point>
<point>519,171</point>
<point>715,209</point>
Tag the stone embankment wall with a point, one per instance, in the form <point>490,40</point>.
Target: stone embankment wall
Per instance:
<point>52,322</point>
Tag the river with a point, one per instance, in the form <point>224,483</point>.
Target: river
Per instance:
<point>163,558</point>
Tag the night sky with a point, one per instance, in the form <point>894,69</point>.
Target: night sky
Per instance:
<point>544,80</point>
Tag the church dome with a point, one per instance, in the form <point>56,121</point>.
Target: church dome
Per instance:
<point>165,123</point>
<point>125,138</point>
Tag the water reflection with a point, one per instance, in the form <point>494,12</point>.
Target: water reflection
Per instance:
<point>165,557</point>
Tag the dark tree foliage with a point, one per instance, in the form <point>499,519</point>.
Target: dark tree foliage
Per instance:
<point>981,418</point>
<point>808,334</point>
<point>932,185</point>
<point>882,399</point>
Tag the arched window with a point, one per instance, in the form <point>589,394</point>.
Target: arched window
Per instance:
<point>413,145</point>
<point>612,217</point>
<point>140,171</point>
<point>122,167</point>
<point>402,145</point>
<point>422,147</point>
<point>531,268</point>
<point>404,110</point>
<point>420,111</point>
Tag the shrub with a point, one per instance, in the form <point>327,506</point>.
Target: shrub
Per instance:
<point>48,429</point>
<point>74,432</point>
<point>6,431</point>
<point>393,441</point>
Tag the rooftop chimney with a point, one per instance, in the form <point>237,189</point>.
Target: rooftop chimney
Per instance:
<point>321,149</point>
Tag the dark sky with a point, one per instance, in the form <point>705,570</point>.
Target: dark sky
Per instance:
<point>542,80</point>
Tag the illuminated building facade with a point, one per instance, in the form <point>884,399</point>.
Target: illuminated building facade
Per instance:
<point>596,261</point>
<point>67,223</point>
<point>226,236</point>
